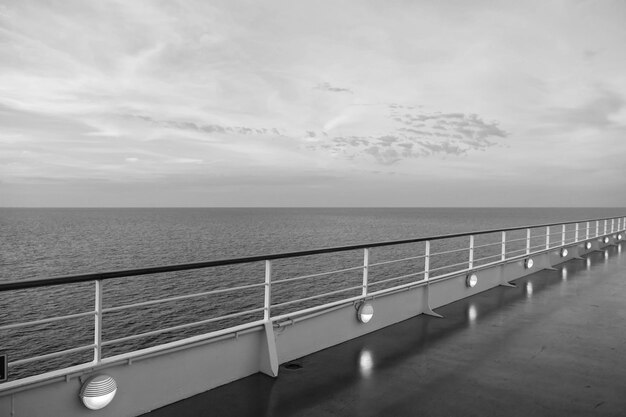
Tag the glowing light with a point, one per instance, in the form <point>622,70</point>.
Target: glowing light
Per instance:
<point>606,239</point>
<point>529,263</point>
<point>471,280</point>
<point>564,252</point>
<point>365,312</point>
<point>98,391</point>
<point>588,245</point>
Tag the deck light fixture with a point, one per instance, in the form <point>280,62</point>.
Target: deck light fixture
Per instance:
<point>364,312</point>
<point>98,391</point>
<point>619,236</point>
<point>606,239</point>
<point>564,252</point>
<point>528,263</point>
<point>588,245</point>
<point>471,280</point>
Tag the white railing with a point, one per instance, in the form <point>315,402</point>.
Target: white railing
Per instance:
<point>428,266</point>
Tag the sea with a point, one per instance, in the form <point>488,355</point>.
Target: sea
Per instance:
<point>51,242</point>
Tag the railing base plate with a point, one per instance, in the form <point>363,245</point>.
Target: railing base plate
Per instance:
<point>429,312</point>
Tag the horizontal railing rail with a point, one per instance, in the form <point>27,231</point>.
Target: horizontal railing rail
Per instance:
<point>454,258</point>
<point>44,282</point>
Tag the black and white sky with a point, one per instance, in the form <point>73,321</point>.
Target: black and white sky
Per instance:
<point>312,103</point>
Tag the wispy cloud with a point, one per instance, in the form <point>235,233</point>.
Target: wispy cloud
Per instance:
<point>327,87</point>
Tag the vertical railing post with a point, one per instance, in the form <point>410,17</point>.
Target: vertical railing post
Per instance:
<point>612,225</point>
<point>427,260</point>
<point>503,257</point>
<point>527,241</point>
<point>471,252</point>
<point>597,228</point>
<point>366,263</point>
<point>587,231</point>
<point>267,299</point>
<point>269,362</point>
<point>97,334</point>
<point>605,223</point>
<point>426,309</point>
<point>563,236</point>
<point>548,237</point>
<point>576,234</point>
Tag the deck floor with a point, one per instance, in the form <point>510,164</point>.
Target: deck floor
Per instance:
<point>553,346</point>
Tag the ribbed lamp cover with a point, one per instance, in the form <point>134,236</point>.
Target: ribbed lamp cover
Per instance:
<point>98,391</point>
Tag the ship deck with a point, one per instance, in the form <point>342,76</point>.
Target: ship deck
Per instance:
<point>552,346</point>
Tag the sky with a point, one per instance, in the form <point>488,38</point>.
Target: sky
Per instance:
<point>312,103</point>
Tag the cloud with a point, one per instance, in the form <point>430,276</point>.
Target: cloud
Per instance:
<point>328,87</point>
<point>415,133</point>
<point>207,128</point>
<point>225,89</point>
<point>600,112</point>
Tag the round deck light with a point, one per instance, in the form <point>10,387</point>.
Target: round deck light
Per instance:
<point>588,245</point>
<point>98,391</point>
<point>528,263</point>
<point>471,280</point>
<point>564,252</point>
<point>606,239</point>
<point>619,236</point>
<point>364,312</point>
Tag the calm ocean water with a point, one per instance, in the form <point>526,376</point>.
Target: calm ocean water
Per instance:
<point>37,243</point>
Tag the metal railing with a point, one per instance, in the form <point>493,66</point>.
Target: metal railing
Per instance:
<point>428,266</point>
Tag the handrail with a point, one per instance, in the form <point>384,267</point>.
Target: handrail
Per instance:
<point>427,276</point>
<point>69,279</point>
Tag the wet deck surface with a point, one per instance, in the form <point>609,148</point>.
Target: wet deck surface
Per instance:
<point>553,346</point>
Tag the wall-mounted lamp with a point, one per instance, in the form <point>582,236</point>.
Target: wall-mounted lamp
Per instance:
<point>564,252</point>
<point>98,391</point>
<point>606,239</point>
<point>588,245</point>
<point>364,312</point>
<point>471,280</point>
<point>528,263</point>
